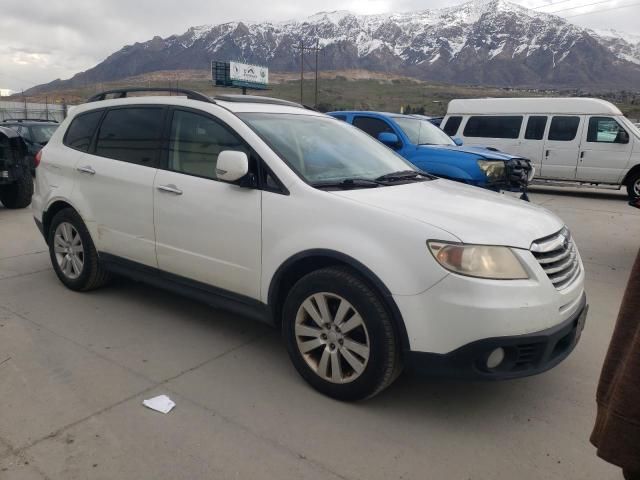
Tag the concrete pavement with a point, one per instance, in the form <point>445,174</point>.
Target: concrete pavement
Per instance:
<point>74,369</point>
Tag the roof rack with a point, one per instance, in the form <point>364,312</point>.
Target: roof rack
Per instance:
<point>256,99</point>
<point>20,120</point>
<point>123,92</point>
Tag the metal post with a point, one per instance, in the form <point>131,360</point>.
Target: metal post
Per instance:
<point>24,99</point>
<point>301,68</point>
<point>317,48</point>
<point>46,107</point>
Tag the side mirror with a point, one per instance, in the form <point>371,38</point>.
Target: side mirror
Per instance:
<point>389,139</point>
<point>232,165</point>
<point>458,141</point>
<point>622,137</point>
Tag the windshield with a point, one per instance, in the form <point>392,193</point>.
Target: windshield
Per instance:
<point>42,133</point>
<point>322,149</point>
<point>422,132</point>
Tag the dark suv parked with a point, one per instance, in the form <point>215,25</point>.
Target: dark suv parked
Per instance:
<point>36,133</point>
<point>16,182</point>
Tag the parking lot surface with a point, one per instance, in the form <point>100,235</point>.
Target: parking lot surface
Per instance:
<point>74,369</point>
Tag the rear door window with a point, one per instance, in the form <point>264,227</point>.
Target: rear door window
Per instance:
<point>131,135</point>
<point>493,126</point>
<point>563,128</point>
<point>372,126</point>
<point>80,132</point>
<point>535,128</point>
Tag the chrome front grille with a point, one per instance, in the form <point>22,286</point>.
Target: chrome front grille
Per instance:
<point>558,257</point>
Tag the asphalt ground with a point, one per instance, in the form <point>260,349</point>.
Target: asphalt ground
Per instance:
<point>75,367</point>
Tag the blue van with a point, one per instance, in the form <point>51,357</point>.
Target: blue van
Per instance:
<point>432,150</point>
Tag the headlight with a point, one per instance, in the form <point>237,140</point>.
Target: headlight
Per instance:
<point>494,170</point>
<point>481,261</point>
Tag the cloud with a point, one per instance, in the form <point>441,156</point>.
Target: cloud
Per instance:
<point>42,39</point>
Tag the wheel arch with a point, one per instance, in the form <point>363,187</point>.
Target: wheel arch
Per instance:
<point>302,263</point>
<point>635,170</point>
<point>51,211</point>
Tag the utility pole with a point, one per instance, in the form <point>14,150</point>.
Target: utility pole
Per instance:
<point>303,50</point>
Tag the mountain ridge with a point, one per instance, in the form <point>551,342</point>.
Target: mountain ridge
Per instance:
<point>491,42</point>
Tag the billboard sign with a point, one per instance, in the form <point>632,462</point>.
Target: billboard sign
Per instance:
<point>250,74</point>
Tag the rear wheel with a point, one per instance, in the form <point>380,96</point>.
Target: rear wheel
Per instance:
<point>633,185</point>
<point>339,335</point>
<point>73,255</point>
<point>19,193</point>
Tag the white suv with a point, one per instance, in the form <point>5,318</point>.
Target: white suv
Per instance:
<point>275,211</point>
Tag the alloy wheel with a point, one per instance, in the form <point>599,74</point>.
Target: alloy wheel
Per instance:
<point>332,337</point>
<point>68,249</point>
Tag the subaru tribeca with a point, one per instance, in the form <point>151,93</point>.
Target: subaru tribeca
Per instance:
<point>284,214</point>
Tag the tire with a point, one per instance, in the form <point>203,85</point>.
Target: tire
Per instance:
<point>82,270</point>
<point>19,193</point>
<point>365,350</point>
<point>633,185</point>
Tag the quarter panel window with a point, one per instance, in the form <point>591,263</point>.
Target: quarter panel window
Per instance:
<point>563,128</point>
<point>372,126</point>
<point>535,128</point>
<point>81,130</point>
<point>604,130</point>
<point>341,117</point>
<point>493,126</point>
<point>195,143</point>
<point>131,135</point>
<point>452,125</point>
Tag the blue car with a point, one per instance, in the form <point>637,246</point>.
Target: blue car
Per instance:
<point>432,150</point>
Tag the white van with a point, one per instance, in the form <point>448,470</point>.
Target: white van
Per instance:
<point>568,140</point>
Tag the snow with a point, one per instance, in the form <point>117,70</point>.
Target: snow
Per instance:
<point>427,35</point>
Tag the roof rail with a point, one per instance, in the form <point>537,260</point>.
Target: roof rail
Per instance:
<point>256,99</point>
<point>20,120</point>
<point>122,93</point>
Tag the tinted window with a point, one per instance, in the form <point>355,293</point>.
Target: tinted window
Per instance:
<point>340,117</point>
<point>372,126</point>
<point>535,128</point>
<point>81,130</point>
<point>452,125</point>
<point>493,127</point>
<point>606,130</point>
<point>195,143</point>
<point>563,129</point>
<point>131,135</point>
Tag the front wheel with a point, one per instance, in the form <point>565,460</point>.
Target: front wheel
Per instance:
<point>633,186</point>
<point>339,335</point>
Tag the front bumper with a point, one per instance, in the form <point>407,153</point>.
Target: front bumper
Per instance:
<point>524,355</point>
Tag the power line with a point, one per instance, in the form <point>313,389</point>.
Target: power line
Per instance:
<point>580,6</point>
<point>550,4</point>
<point>603,10</point>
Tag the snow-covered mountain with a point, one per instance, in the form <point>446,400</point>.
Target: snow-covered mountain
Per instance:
<point>492,42</point>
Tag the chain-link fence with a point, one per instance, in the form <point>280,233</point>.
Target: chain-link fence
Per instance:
<point>40,111</point>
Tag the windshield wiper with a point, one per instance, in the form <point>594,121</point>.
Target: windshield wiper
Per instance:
<point>403,175</point>
<point>347,183</point>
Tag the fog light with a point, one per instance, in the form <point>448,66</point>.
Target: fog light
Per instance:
<point>495,358</point>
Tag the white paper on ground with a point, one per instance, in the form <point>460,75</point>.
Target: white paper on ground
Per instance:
<point>161,403</point>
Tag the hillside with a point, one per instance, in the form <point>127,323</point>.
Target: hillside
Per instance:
<point>489,42</point>
<point>347,89</point>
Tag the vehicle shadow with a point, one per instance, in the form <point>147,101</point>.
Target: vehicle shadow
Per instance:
<point>581,193</point>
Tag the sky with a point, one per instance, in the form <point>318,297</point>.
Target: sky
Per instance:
<point>41,40</point>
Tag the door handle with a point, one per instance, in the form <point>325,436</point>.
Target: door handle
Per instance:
<point>171,188</point>
<point>88,169</point>
<point>546,154</point>
<point>581,155</point>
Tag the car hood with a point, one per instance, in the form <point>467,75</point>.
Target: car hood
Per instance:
<point>476,151</point>
<point>471,214</point>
